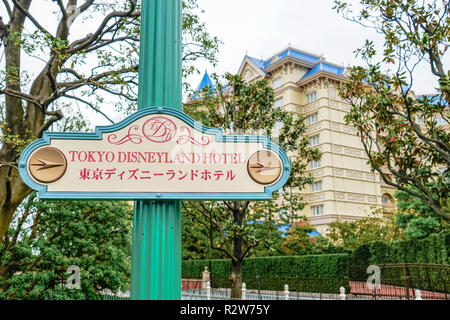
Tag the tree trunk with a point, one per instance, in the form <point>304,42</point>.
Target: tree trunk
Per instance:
<point>23,121</point>
<point>236,275</point>
<point>12,189</point>
<point>236,280</point>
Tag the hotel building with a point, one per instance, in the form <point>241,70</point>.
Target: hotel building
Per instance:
<point>345,188</point>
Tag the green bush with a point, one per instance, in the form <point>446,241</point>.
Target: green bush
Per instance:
<point>324,273</point>
<point>431,250</point>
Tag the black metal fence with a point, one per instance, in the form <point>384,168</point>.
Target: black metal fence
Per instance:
<point>407,281</point>
<point>402,281</point>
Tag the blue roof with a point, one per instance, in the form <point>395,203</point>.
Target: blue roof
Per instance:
<point>259,63</point>
<point>322,66</point>
<point>298,55</point>
<point>205,82</point>
<point>314,233</point>
<point>286,227</point>
<point>287,53</point>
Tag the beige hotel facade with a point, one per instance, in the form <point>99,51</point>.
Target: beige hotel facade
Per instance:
<point>345,188</point>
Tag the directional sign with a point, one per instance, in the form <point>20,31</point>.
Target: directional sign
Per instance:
<point>157,153</point>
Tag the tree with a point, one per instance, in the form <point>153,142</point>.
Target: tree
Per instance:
<point>299,242</point>
<point>46,237</point>
<point>246,108</point>
<point>99,66</point>
<point>404,136</point>
<point>416,218</point>
<point>352,234</point>
<point>195,242</point>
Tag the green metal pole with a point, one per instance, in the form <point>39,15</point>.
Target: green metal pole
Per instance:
<point>156,252</point>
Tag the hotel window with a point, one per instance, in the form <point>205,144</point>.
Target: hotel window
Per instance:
<point>317,210</point>
<point>278,103</point>
<point>313,141</point>
<point>310,97</point>
<point>419,120</point>
<point>313,118</point>
<point>314,164</point>
<point>441,121</point>
<point>332,93</point>
<point>277,83</point>
<point>278,125</point>
<point>316,186</point>
<point>386,198</point>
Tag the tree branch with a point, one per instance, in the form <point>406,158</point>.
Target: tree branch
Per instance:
<point>94,37</point>
<point>8,8</point>
<point>56,116</point>
<point>32,19</point>
<point>90,105</point>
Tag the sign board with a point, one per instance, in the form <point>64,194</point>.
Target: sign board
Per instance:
<point>157,153</point>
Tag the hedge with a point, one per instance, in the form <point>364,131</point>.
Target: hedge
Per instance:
<point>324,273</point>
<point>433,250</point>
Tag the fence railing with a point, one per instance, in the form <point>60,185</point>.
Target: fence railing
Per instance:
<point>401,281</point>
<point>397,282</point>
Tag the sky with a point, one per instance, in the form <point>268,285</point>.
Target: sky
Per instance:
<point>261,28</point>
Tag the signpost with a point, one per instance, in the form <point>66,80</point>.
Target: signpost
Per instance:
<point>157,157</point>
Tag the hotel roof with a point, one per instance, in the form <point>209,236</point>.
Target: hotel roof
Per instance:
<point>205,82</point>
<point>318,62</point>
<point>313,62</point>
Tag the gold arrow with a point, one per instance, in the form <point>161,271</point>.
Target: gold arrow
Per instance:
<point>267,168</point>
<point>46,164</point>
<point>261,167</point>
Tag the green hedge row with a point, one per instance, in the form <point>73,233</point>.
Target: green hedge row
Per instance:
<point>324,273</point>
<point>432,250</point>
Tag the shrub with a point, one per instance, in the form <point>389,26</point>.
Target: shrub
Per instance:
<point>324,273</point>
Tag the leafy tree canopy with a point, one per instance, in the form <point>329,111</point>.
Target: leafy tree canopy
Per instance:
<point>416,218</point>
<point>405,137</point>
<point>46,237</point>
<point>352,234</point>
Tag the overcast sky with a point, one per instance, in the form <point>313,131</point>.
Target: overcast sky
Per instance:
<point>262,28</point>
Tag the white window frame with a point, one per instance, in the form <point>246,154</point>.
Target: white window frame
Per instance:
<point>278,103</point>
<point>278,125</point>
<point>311,96</point>
<point>317,210</point>
<point>419,120</point>
<point>313,118</point>
<point>316,186</point>
<point>313,141</point>
<point>314,164</point>
<point>440,121</point>
<point>278,82</point>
